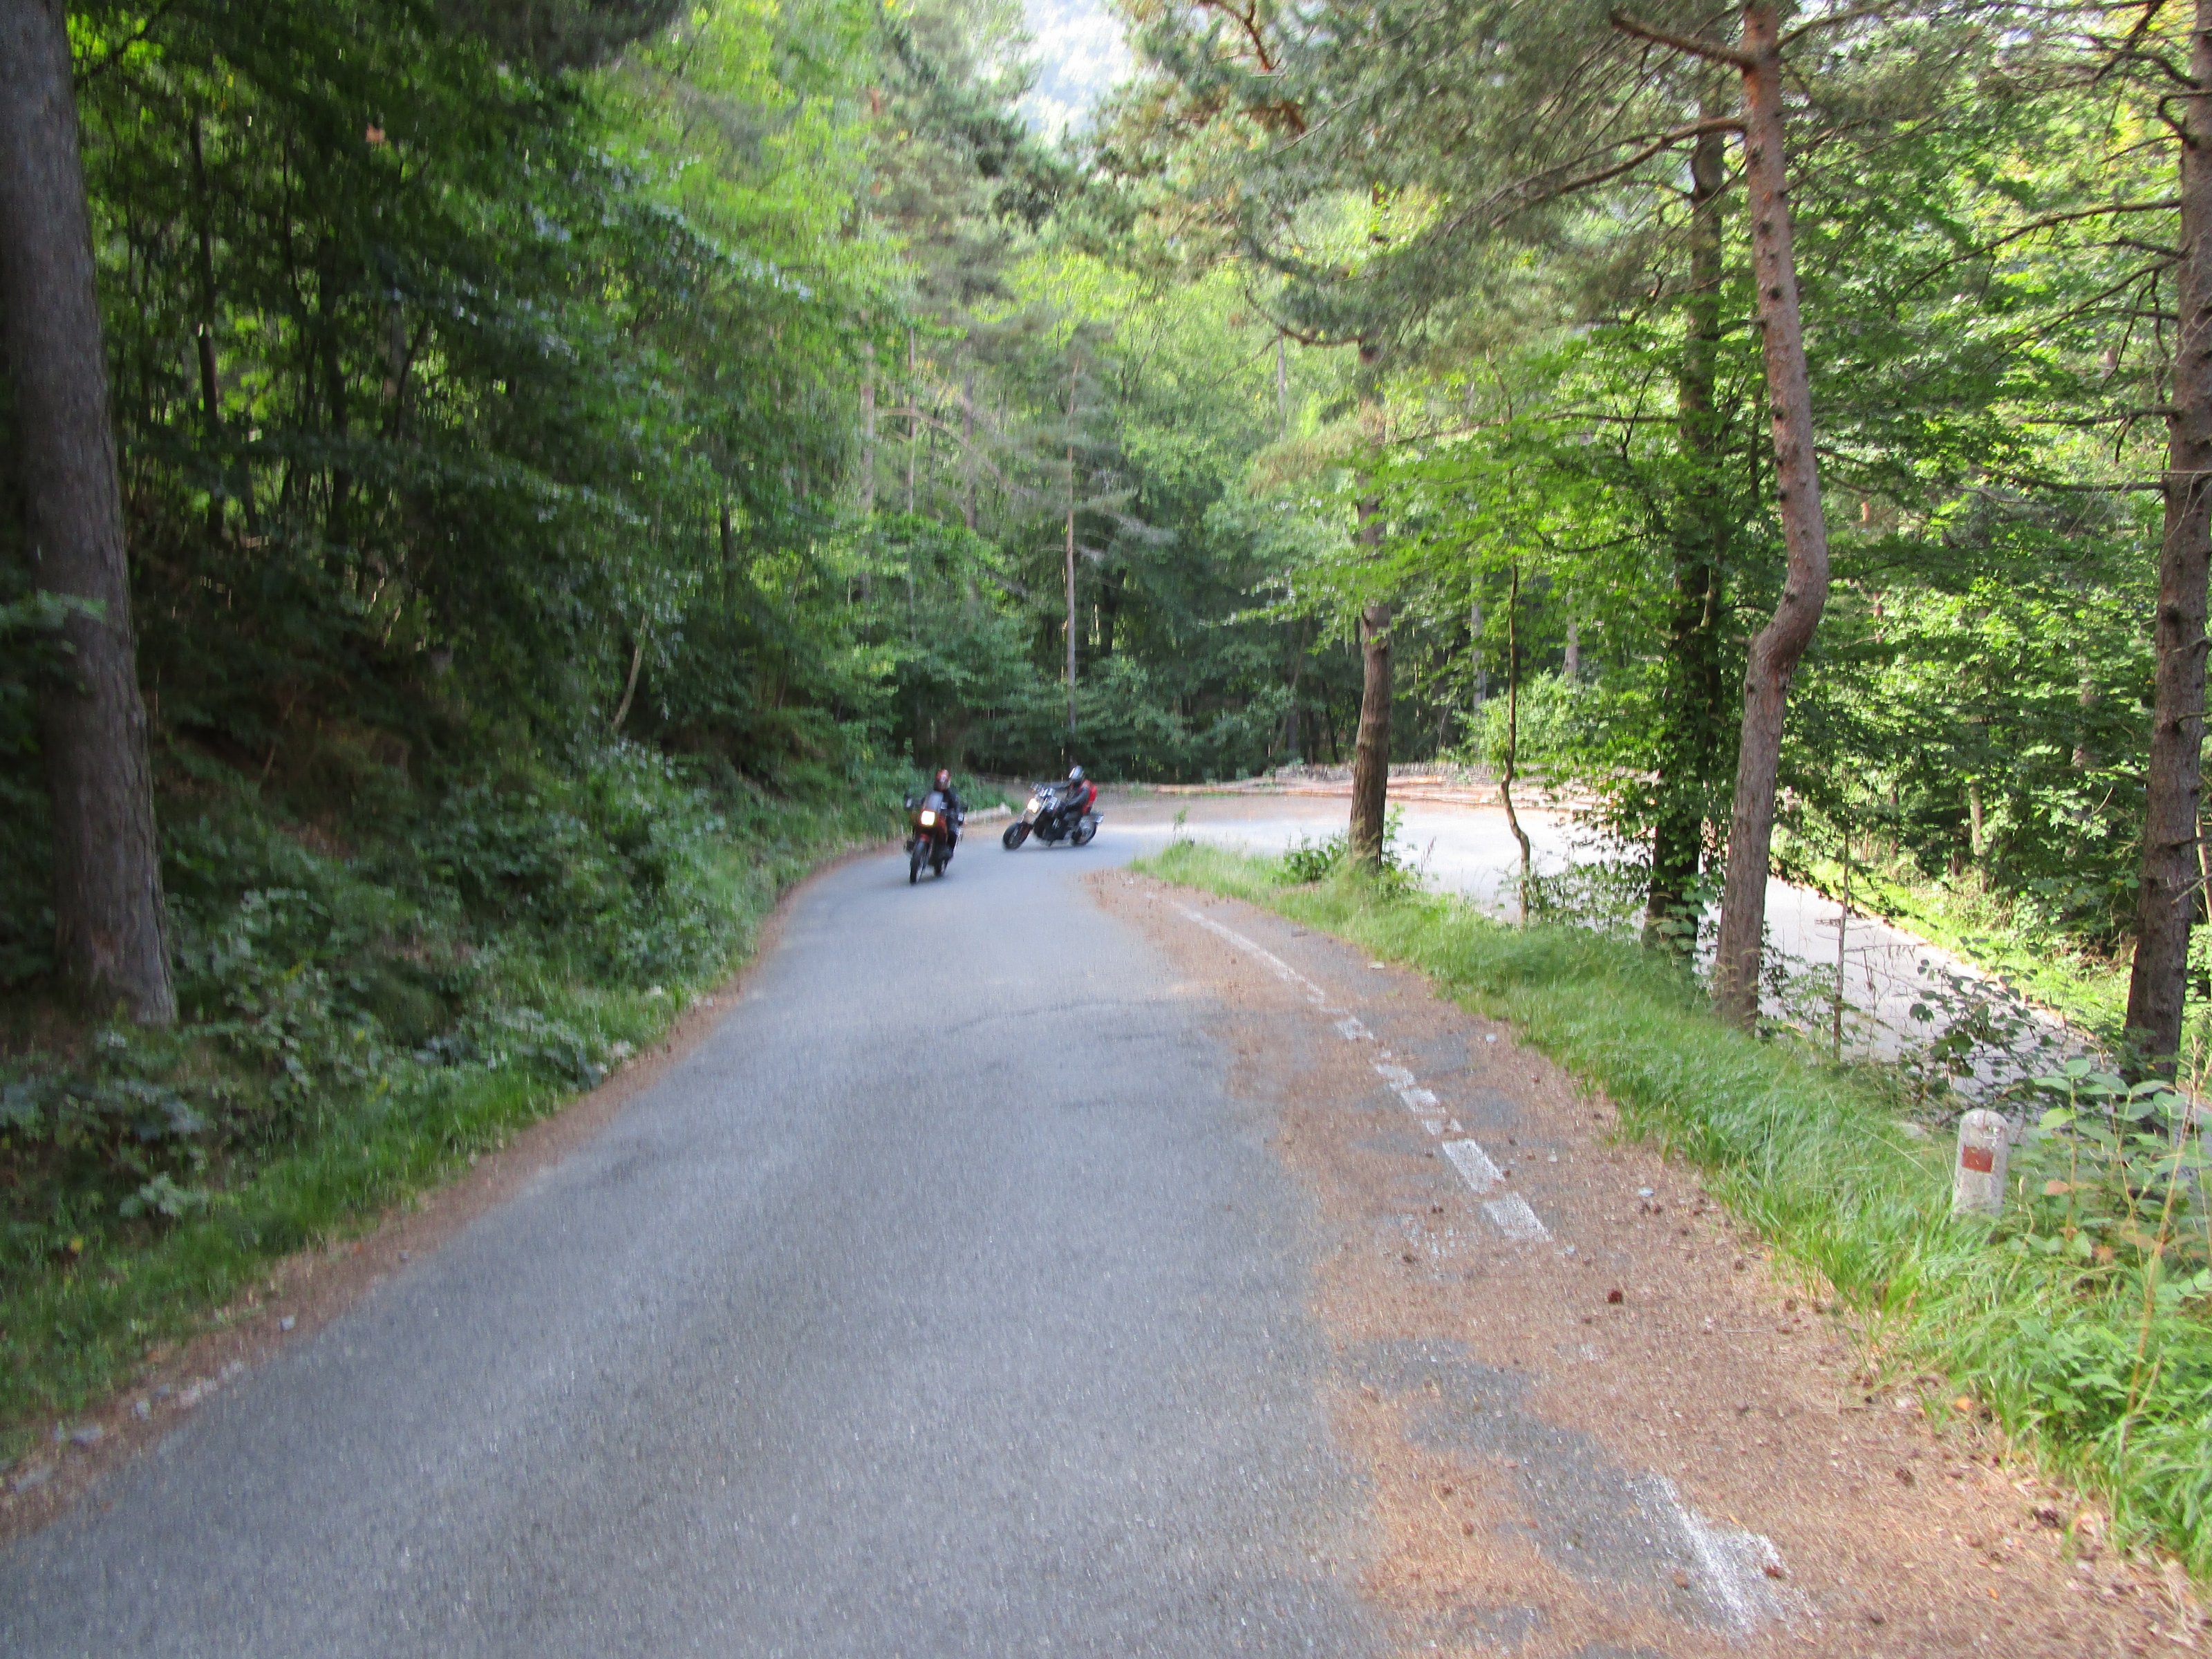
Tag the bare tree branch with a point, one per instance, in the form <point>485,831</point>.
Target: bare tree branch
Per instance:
<point>2047,222</point>
<point>1856,15</point>
<point>1711,50</point>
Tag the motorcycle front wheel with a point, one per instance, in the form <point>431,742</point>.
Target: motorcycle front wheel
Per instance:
<point>914,860</point>
<point>1016,833</point>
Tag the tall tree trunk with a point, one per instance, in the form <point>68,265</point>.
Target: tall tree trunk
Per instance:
<point>727,545</point>
<point>1370,754</point>
<point>1512,767</point>
<point>1071,554</point>
<point>239,475</point>
<point>867,429</point>
<point>1474,634</point>
<point>1843,938</point>
<point>913,421</point>
<point>1781,644</point>
<point>1071,595</point>
<point>1689,742</point>
<point>1370,748</point>
<point>92,724</point>
<point>2159,981</point>
<point>629,685</point>
<point>338,524</point>
<point>210,386</point>
<point>967,447</point>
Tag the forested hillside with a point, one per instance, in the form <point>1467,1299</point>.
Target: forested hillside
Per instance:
<point>542,377</point>
<point>527,477</point>
<point>1910,448</point>
<point>575,461</point>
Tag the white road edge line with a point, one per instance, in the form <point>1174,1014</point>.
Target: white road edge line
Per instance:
<point>1471,1161</point>
<point>1510,1215</point>
<point>1282,969</point>
<point>1739,1567</point>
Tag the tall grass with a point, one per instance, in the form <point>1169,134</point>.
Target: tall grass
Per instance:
<point>2096,1367</point>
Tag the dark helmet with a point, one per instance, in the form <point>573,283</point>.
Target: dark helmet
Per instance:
<point>944,777</point>
<point>1075,775</point>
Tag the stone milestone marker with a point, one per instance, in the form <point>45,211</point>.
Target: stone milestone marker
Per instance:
<point>1977,1179</point>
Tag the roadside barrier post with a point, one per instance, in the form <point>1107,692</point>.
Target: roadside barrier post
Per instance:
<point>1978,1178</point>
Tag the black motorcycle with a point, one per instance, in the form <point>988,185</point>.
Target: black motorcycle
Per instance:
<point>1052,816</point>
<point>934,833</point>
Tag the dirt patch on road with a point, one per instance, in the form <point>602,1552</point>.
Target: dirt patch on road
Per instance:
<point>306,1291</point>
<point>1596,1422</point>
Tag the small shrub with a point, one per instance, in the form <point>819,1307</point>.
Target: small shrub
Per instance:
<point>126,1131</point>
<point>1545,729</point>
<point>1308,861</point>
<point>2110,1177</point>
<point>1305,862</point>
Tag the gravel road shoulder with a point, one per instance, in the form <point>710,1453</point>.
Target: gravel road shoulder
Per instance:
<point>1627,1436</point>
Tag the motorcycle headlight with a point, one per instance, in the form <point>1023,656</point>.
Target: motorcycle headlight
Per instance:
<point>1034,804</point>
<point>928,818</point>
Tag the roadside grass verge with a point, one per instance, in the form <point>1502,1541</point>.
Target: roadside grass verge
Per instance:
<point>362,1048</point>
<point>2094,1366</point>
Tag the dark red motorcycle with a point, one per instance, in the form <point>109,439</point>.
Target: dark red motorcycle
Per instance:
<point>934,833</point>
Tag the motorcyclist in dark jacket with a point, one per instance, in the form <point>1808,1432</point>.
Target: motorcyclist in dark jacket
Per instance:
<point>1076,796</point>
<point>955,809</point>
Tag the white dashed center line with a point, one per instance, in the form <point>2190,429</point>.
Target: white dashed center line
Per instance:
<point>1421,1102</point>
<point>1739,1567</point>
<point>1252,947</point>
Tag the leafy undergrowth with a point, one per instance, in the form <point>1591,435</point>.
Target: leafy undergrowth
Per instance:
<point>357,1021</point>
<point>2098,1360</point>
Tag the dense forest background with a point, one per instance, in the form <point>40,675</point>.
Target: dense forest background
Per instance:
<point>525,380</point>
<point>578,463</point>
<point>481,398</point>
<point>579,455</point>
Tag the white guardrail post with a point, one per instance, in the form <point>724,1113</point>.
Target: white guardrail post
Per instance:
<point>1978,1178</point>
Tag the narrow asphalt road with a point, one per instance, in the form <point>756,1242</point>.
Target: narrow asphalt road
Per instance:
<point>1029,1265</point>
<point>942,1301</point>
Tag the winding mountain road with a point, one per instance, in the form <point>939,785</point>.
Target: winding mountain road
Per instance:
<point>1039,1261</point>
<point>1464,846</point>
